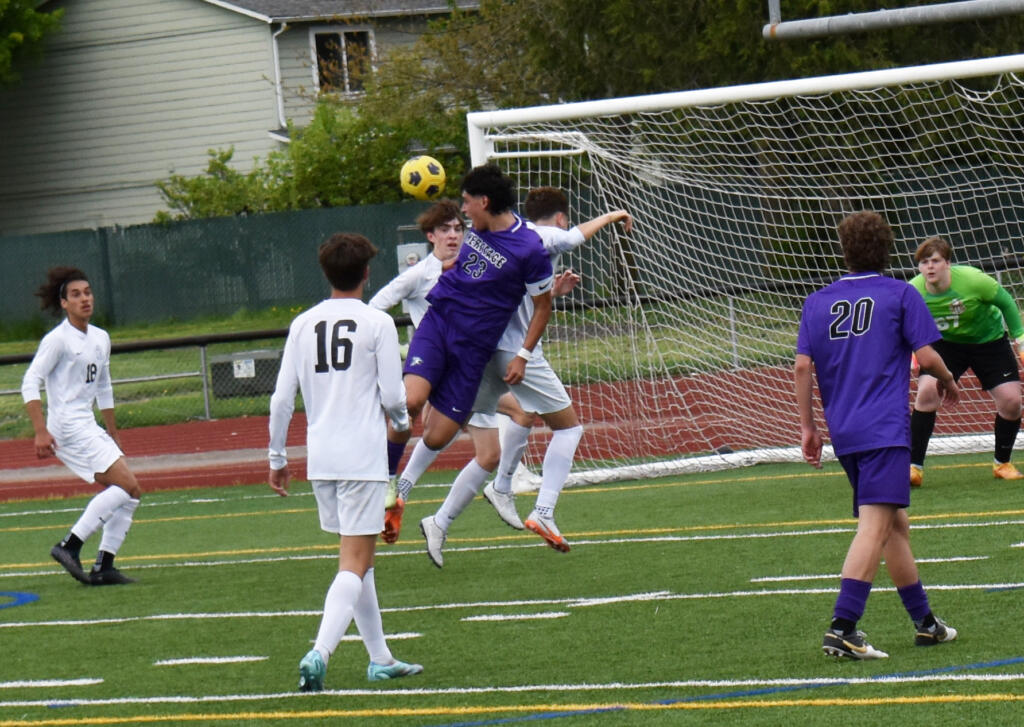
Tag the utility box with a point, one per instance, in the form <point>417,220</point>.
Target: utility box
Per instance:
<point>246,373</point>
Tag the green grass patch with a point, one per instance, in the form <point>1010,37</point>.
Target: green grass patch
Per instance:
<point>662,613</point>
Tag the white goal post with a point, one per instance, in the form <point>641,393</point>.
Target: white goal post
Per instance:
<point>678,345</point>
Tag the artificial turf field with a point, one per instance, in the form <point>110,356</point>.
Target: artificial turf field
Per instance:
<point>692,599</point>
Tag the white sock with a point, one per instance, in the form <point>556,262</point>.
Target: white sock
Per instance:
<point>339,606</point>
<point>368,621</point>
<point>422,457</point>
<point>117,527</point>
<point>557,463</point>
<point>513,444</point>
<point>99,510</point>
<point>467,484</point>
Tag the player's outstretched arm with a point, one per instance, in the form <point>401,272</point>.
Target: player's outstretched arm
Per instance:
<point>590,227</point>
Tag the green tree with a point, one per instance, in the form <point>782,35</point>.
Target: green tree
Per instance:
<point>527,52</point>
<point>22,31</point>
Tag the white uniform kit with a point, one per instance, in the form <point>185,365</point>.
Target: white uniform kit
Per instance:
<point>540,390</point>
<point>75,367</point>
<point>343,356</point>
<point>412,287</point>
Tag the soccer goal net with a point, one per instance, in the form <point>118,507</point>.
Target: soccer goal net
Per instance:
<point>677,347</point>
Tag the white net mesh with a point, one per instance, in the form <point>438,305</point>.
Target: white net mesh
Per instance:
<point>680,340</point>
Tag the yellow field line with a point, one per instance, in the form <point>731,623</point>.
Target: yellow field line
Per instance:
<point>497,538</point>
<point>532,708</point>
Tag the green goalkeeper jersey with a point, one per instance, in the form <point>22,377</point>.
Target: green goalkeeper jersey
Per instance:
<point>974,307</point>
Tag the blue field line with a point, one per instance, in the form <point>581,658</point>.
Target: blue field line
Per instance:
<point>735,694</point>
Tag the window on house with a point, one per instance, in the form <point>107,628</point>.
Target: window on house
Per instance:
<point>344,59</point>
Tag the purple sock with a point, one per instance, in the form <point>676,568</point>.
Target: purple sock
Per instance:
<point>395,452</point>
<point>853,597</point>
<point>915,600</point>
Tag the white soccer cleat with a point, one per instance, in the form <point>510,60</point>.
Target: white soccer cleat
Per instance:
<point>505,504</point>
<point>435,538</point>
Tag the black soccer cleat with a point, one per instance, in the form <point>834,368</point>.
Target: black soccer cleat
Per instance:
<point>108,577</point>
<point>853,645</point>
<point>70,562</point>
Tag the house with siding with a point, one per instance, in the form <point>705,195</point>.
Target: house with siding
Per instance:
<point>129,93</point>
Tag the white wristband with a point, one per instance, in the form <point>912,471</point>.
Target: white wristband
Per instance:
<point>525,353</point>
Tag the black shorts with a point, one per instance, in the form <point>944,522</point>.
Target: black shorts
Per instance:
<point>994,363</point>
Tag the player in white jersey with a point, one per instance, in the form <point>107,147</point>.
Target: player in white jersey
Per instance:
<point>343,356</point>
<point>443,228</point>
<point>540,391</point>
<point>73,360</point>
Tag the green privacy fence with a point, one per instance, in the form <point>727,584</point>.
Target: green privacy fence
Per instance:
<point>203,267</point>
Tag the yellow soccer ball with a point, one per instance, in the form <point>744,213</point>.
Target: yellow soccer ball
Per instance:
<point>423,178</point>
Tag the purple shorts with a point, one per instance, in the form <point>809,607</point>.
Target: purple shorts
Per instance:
<point>879,476</point>
<point>451,361</point>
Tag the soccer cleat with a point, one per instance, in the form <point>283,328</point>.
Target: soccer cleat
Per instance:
<point>311,672</point>
<point>1006,471</point>
<point>505,504</point>
<point>393,521</point>
<point>937,633</point>
<point>916,475</point>
<point>391,498</point>
<point>108,577</point>
<point>70,562</point>
<point>853,645</point>
<point>379,672</point>
<point>546,528</point>
<point>435,538</point>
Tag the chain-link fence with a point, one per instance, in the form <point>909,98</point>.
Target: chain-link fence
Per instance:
<point>152,273</point>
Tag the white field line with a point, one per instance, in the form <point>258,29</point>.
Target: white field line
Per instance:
<point>563,602</point>
<point>832,576</point>
<point>533,544</point>
<point>516,616</point>
<point>581,687</point>
<point>209,660</point>
<point>151,503</point>
<point>45,683</point>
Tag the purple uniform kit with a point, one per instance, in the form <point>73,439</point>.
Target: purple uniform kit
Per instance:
<point>849,329</point>
<point>856,337</point>
<point>469,309</point>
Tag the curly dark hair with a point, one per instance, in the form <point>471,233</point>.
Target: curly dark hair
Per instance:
<point>489,181</point>
<point>866,239</point>
<point>344,258</point>
<point>54,289</point>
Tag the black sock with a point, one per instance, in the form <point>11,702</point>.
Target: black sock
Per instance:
<point>844,625</point>
<point>72,543</point>
<point>104,560</point>
<point>927,622</point>
<point>922,423</point>
<point>1006,434</point>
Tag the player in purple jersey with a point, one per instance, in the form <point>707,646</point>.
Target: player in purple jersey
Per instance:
<point>856,336</point>
<point>500,261</point>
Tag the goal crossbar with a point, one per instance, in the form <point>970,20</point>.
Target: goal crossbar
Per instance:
<point>478,121</point>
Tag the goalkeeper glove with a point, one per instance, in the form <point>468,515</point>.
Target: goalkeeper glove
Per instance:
<point>915,367</point>
<point>1020,348</point>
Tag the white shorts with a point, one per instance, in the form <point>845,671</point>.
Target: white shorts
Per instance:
<point>483,421</point>
<point>88,452</point>
<point>540,391</point>
<point>350,507</point>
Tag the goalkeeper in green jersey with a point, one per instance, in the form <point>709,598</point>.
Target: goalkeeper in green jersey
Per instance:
<point>971,309</point>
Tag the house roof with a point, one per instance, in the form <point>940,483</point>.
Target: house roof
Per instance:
<point>280,11</point>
